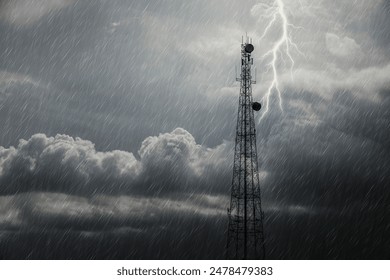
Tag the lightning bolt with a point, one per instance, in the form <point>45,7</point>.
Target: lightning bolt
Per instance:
<point>282,46</point>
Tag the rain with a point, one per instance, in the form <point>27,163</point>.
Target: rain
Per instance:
<point>118,125</point>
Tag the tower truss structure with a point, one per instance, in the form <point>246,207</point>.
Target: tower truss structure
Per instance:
<point>245,238</point>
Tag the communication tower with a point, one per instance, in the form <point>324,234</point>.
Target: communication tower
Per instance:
<point>245,238</point>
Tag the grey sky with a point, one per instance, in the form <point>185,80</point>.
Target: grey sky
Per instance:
<point>142,95</point>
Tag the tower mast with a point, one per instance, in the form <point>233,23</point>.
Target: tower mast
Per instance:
<point>245,231</point>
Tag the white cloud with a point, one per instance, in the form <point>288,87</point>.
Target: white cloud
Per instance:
<point>341,46</point>
<point>64,159</point>
<point>27,12</point>
<point>364,83</point>
<point>168,162</point>
<point>7,78</point>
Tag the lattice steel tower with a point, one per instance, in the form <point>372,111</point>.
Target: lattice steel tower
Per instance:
<point>245,231</point>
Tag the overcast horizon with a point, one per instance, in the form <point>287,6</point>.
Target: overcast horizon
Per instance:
<point>118,124</point>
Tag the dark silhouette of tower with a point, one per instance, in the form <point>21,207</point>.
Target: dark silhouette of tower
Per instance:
<point>245,231</point>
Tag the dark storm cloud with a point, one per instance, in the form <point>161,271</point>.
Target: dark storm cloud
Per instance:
<point>115,72</point>
<point>174,189</point>
<point>336,169</point>
<point>72,164</point>
<point>380,22</point>
<point>91,53</point>
<point>169,163</point>
<point>338,161</point>
<point>180,238</point>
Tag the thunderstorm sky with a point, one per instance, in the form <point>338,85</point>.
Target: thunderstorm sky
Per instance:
<point>118,122</point>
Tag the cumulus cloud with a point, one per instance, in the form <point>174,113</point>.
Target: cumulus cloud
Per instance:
<point>63,182</point>
<point>341,46</point>
<point>60,163</point>
<point>167,163</point>
<point>27,12</point>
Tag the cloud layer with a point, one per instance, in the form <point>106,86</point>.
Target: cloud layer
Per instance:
<point>115,72</point>
<point>170,162</point>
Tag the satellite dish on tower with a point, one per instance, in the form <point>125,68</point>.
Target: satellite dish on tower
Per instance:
<point>249,48</point>
<point>256,106</point>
